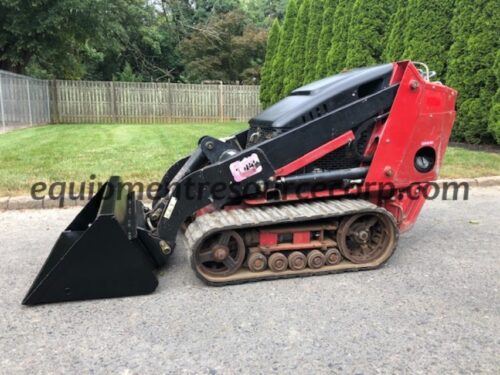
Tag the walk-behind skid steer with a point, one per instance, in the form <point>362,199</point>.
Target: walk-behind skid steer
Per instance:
<point>321,182</point>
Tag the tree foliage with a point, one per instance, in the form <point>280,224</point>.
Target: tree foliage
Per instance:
<point>367,32</point>
<point>394,47</point>
<point>462,26</point>
<point>312,42</point>
<point>494,119</point>
<point>338,50</point>
<point>325,39</point>
<point>204,10</point>
<point>472,67</point>
<point>278,69</point>
<point>427,33</point>
<point>127,75</point>
<point>456,38</point>
<point>296,58</point>
<point>267,73</point>
<point>263,12</point>
<point>103,39</point>
<point>58,36</point>
<point>232,47</point>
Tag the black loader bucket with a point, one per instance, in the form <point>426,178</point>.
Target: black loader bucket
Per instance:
<point>100,254</point>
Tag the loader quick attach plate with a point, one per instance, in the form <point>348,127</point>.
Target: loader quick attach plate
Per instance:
<point>99,255</point>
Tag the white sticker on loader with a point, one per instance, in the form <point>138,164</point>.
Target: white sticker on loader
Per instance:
<point>170,208</point>
<point>247,167</point>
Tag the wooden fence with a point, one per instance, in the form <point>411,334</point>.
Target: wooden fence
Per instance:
<point>25,101</point>
<point>129,102</point>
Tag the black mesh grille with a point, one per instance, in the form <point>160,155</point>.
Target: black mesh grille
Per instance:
<point>342,158</point>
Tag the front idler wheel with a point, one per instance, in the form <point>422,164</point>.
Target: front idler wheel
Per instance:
<point>364,238</point>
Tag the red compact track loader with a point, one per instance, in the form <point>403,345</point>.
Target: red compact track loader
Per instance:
<point>321,182</point>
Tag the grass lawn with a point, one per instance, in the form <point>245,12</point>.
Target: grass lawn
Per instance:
<point>140,153</point>
<point>74,152</point>
<point>459,162</point>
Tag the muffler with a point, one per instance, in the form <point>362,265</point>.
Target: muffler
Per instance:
<point>105,252</point>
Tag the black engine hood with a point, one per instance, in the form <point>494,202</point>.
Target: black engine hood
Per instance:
<point>315,99</point>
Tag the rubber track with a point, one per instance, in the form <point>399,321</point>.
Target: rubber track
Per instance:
<point>256,217</point>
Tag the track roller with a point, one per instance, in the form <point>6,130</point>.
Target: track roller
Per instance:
<point>257,262</point>
<point>278,262</point>
<point>297,261</point>
<point>315,259</point>
<point>333,257</point>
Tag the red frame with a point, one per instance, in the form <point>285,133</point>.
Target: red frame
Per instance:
<point>270,238</point>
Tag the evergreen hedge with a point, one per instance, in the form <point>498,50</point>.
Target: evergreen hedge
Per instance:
<point>367,32</point>
<point>325,39</point>
<point>266,75</point>
<point>316,10</point>
<point>459,39</point>
<point>296,56</point>
<point>278,65</point>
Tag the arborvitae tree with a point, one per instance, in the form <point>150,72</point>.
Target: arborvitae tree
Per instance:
<point>313,34</point>
<point>367,32</point>
<point>471,69</point>
<point>266,82</point>
<point>325,40</point>
<point>337,54</point>
<point>287,31</point>
<point>427,34</point>
<point>462,26</point>
<point>294,66</point>
<point>395,46</point>
<point>494,120</point>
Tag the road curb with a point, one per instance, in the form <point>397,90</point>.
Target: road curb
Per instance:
<point>28,203</point>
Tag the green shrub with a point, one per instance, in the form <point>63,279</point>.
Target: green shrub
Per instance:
<point>337,54</point>
<point>296,59</point>
<point>326,37</point>
<point>278,67</point>
<point>367,32</point>
<point>266,82</point>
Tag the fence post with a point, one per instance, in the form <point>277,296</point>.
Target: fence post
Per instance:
<point>113,100</point>
<point>221,107</point>
<point>54,102</point>
<point>47,94</point>
<point>169,105</point>
<point>29,101</point>
<point>1,105</point>
<point>156,97</point>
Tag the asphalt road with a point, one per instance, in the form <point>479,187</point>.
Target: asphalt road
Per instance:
<point>434,308</point>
